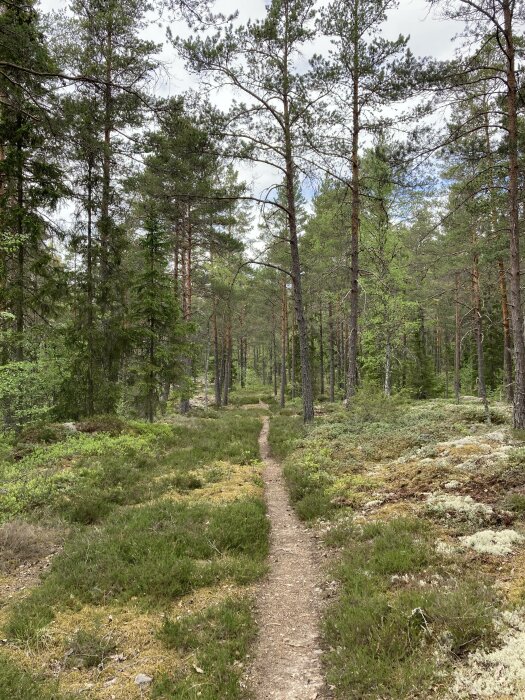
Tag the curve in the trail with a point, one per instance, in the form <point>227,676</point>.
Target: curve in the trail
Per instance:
<point>287,662</point>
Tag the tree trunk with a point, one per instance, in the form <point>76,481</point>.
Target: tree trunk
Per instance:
<point>321,350</point>
<point>306,378</point>
<point>331,351</point>
<point>292,369</point>
<point>457,346</point>
<point>284,337</point>
<point>351,384</point>
<point>478,326</point>
<point>227,363</point>
<point>507,339</point>
<point>20,270</point>
<point>90,407</point>
<point>216,354</point>
<point>387,388</point>
<point>206,365</point>
<point>186,304</point>
<point>514,233</point>
<point>446,359</point>
<point>274,362</point>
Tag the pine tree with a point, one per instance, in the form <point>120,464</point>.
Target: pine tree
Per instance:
<point>157,333</point>
<point>101,41</point>
<point>372,72</point>
<point>258,59</point>
<point>30,182</point>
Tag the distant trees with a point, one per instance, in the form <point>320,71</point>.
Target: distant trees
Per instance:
<point>258,61</point>
<point>494,23</point>
<point>364,269</point>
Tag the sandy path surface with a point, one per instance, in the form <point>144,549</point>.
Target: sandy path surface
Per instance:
<point>287,655</point>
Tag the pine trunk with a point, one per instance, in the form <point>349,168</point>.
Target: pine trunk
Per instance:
<point>351,384</point>
<point>478,326</point>
<point>457,345</point>
<point>284,337</point>
<point>514,233</point>
<point>331,351</point>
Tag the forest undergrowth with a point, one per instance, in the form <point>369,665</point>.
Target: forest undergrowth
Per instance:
<point>129,551</point>
<point>128,556</point>
<point>421,509</point>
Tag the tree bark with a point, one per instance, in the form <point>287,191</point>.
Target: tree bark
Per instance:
<point>227,363</point>
<point>321,351</point>
<point>206,366</point>
<point>290,177</point>
<point>507,338</point>
<point>186,301</point>
<point>216,354</point>
<point>90,407</point>
<point>284,337</point>
<point>387,387</point>
<point>21,250</point>
<point>508,380</point>
<point>478,325</point>
<point>457,345</point>
<point>351,384</point>
<point>331,351</point>
<point>514,233</point>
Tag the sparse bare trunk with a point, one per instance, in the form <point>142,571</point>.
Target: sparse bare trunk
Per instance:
<point>478,325</point>
<point>331,351</point>
<point>216,354</point>
<point>284,337</point>
<point>457,345</point>
<point>321,351</point>
<point>351,384</point>
<point>290,177</point>
<point>387,387</point>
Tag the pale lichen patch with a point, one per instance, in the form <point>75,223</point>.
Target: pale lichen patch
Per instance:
<point>499,673</point>
<point>495,542</point>
<point>463,507</point>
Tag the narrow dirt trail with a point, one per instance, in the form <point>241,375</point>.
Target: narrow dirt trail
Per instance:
<point>287,655</point>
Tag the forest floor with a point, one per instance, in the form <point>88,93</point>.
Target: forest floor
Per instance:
<point>287,663</point>
<point>137,561</point>
<point>128,558</point>
<point>421,509</point>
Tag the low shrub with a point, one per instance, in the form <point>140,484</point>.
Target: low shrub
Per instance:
<point>218,639</point>
<point>17,684</point>
<point>154,553</point>
<point>22,542</point>
<point>88,648</point>
<point>386,627</point>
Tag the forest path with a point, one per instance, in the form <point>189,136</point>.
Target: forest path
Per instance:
<point>287,655</point>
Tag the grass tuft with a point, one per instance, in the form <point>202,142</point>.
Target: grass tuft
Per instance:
<point>155,553</point>
<point>17,684</point>
<point>218,640</point>
<point>386,627</point>
<point>88,649</point>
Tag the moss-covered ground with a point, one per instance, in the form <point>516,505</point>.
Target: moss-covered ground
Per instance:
<point>129,553</point>
<point>416,503</point>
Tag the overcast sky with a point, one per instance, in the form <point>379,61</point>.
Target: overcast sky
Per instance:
<point>429,36</point>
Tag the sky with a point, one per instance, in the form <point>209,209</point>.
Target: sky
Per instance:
<point>429,36</point>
